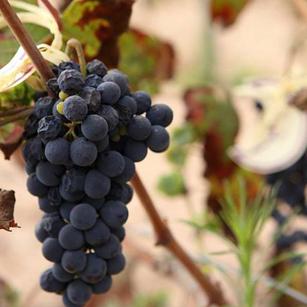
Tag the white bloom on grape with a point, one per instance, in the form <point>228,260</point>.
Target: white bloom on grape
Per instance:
<point>20,67</point>
<point>273,133</point>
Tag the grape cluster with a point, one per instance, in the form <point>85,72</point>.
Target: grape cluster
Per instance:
<point>291,184</point>
<point>290,187</point>
<point>80,154</point>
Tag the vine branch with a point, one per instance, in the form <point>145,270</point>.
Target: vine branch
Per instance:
<point>165,238</point>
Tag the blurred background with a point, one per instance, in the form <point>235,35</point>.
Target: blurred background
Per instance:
<point>189,54</point>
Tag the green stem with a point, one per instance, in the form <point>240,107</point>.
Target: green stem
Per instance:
<point>73,45</point>
<point>249,284</point>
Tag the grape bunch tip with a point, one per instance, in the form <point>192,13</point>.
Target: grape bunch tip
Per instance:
<point>80,153</point>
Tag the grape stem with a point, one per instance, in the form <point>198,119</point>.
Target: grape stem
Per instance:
<point>25,40</point>
<point>15,117</point>
<point>73,45</point>
<point>165,238</point>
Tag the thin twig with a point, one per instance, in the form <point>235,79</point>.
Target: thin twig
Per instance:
<point>73,45</point>
<point>166,239</point>
<point>10,112</point>
<point>16,117</point>
<point>25,40</point>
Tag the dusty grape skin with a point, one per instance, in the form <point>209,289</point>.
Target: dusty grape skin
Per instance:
<point>81,148</point>
<point>83,152</point>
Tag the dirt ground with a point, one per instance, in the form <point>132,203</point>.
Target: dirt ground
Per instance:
<point>259,42</point>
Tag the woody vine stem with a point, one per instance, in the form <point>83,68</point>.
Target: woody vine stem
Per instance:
<point>164,235</point>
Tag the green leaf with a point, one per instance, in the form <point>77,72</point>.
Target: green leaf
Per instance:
<point>146,59</point>
<point>21,95</point>
<point>150,300</point>
<point>172,184</point>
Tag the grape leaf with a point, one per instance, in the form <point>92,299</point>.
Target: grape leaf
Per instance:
<point>216,123</point>
<point>98,25</point>
<point>145,59</point>
<point>172,184</point>
<point>226,11</point>
<point>7,205</point>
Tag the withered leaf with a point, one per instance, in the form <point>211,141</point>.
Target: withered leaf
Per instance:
<point>98,25</point>
<point>226,11</point>
<point>12,142</point>
<point>7,205</point>
<point>146,59</point>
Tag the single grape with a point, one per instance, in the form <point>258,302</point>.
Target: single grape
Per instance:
<point>93,80</point>
<point>57,151</point>
<point>83,152</point>
<point>75,108</point>
<point>35,187</point>
<point>109,92</point>
<point>116,264</point>
<point>96,67</point>
<point>71,238</point>
<point>45,206</point>
<point>83,216</point>
<point>158,140</point>
<point>49,283</point>
<point>95,203</point>
<point>94,128</point>
<point>52,224</point>
<point>65,210</point>
<point>52,250</point>
<point>97,185</point>
<point>31,125</point>
<point>109,249</point>
<point>43,107</point>
<point>97,235</point>
<point>49,174</point>
<point>126,107</point>
<point>40,233</point>
<point>119,232</point>
<point>110,115</point>
<point>33,150</point>
<point>111,163</point>
<point>120,191</point>
<point>160,114</point>
<point>78,292</point>
<point>92,98</point>
<point>68,65</point>
<point>74,261</point>
<point>119,78</point>
<point>70,196</point>
<point>103,144</point>
<point>127,173</point>
<point>139,128</point>
<point>54,196</point>
<point>74,179</point>
<point>49,127</point>
<point>143,101</point>
<point>114,213</point>
<point>103,286</point>
<point>135,150</point>
<point>60,274</point>
<point>52,85</point>
<point>95,269</point>
<point>70,81</point>
<point>68,303</point>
